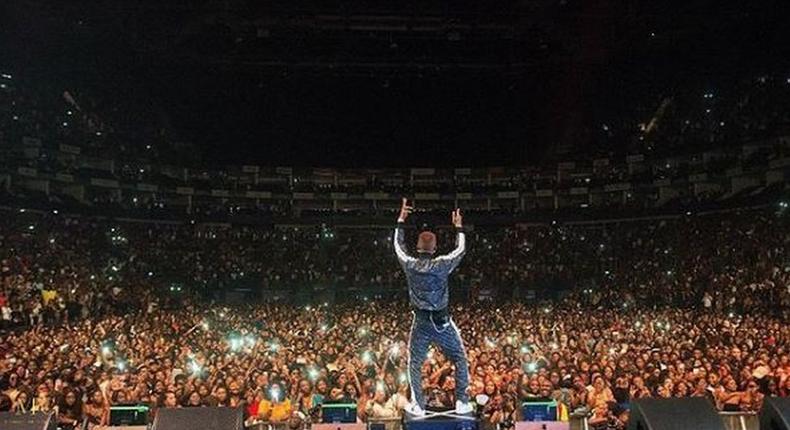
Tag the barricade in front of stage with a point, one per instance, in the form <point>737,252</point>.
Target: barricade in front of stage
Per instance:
<point>732,421</point>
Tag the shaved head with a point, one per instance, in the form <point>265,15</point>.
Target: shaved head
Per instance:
<point>426,242</point>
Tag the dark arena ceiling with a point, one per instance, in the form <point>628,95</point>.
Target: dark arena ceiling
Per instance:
<point>382,83</point>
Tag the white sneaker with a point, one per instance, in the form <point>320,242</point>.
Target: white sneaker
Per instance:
<point>463,408</point>
<point>414,409</point>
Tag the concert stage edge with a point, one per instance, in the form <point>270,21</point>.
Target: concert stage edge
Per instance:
<point>442,423</point>
<point>449,423</point>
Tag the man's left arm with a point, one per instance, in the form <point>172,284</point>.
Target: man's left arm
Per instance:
<point>398,240</point>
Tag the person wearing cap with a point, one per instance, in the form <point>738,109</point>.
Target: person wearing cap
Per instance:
<point>427,276</point>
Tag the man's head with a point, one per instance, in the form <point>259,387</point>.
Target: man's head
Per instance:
<point>426,243</point>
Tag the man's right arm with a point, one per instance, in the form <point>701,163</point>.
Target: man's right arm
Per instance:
<point>453,259</point>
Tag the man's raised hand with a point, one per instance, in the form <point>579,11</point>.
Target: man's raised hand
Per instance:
<point>458,220</point>
<point>405,210</point>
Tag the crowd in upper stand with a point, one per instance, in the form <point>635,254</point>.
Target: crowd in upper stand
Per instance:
<point>66,113</point>
<point>696,119</point>
<point>99,312</point>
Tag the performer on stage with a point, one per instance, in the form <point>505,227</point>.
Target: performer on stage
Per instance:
<point>428,293</point>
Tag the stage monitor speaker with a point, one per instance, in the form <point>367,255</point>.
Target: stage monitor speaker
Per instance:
<point>441,424</point>
<point>674,414</point>
<point>37,421</point>
<point>543,425</point>
<point>775,414</point>
<point>339,426</point>
<point>199,418</point>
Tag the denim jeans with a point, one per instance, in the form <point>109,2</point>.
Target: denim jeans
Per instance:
<point>441,330</point>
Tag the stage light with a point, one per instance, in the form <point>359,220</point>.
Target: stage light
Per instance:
<point>524,349</point>
<point>106,350</point>
<point>194,367</point>
<point>403,378</point>
<point>367,357</point>
<point>122,366</point>
<point>312,373</point>
<point>532,366</point>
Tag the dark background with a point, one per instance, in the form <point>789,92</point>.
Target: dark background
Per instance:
<point>360,84</point>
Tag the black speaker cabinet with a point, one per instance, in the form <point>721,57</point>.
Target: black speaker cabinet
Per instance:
<point>775,414</point>
<point>37,421</point>
<point>199,418</point>
<point>674,414</point>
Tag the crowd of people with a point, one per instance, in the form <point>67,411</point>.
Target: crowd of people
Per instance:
<point>98,312</point>
<point>38,116</point>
